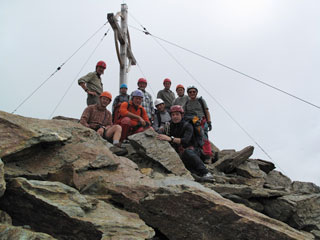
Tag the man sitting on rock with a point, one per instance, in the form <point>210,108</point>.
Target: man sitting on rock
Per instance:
<point>134,118</point>
<point>98,118</point>
<point>181,138</point>
<point>162,117</point>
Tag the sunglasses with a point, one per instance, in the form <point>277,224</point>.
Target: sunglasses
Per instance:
<point>192,91</point>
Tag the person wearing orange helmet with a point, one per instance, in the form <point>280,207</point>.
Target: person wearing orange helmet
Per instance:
<point>166,94</point>
<point>181,99</point>
<point>98,118</point>
<point>181,138</point>
<point>92,84</point>
<point>147,102</point>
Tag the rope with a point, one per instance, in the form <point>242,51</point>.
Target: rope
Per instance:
<point>230,68</point>
<point>78,74</point>
<point>58,68</point>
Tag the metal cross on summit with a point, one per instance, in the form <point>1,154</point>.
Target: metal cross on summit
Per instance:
<point>121,34</point>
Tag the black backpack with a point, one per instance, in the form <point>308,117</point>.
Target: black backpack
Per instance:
<point>198,133</point>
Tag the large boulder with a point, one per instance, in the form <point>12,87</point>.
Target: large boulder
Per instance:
<point>160,152</point>
<point>182,209</point>
<point>19,133</point>
<point>42,204</point>
<point>299,211</point>
<point>304,187</point>
<point>277,180</point>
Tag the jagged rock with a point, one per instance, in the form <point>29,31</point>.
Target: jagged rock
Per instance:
<point>2,181</point>
<point>304,187</point>
<point>181,209</point>
<point>250,169</point>
<point>5,218</point>
<point>42,204</point>
<point>226,152</point>
<point>8,232</point>
<point>228,163</point>
<point>299,211</point>
<point>242,191</point>
<point>263,165</point>
<point>19,133</point>
<point>277,179</point>
<point>159,151</point>
<point>75,120</point>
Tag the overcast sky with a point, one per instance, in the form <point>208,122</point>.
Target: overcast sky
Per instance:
<point>276,41</point>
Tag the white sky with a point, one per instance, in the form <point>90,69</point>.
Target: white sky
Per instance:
<point>276,41</point>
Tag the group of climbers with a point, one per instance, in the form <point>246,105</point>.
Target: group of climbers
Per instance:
<point>183,121</point>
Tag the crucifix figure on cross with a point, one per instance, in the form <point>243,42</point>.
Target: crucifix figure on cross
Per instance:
<point>121,35</point>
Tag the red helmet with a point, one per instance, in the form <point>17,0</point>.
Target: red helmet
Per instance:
<point>101,64</point>
<point>176,108</point>
<point>179,86</point>
<point>166,80</point>
<point>142,80</point>
<point>106,94</point>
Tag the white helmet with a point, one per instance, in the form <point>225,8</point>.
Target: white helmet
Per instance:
<point>158,101</point>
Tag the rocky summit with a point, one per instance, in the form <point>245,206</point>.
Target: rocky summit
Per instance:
<point>59,180</point>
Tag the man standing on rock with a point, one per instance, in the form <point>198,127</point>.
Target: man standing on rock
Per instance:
<point>98,118</point>
<point>181,99</point>
<point>91,83</point>
<point>180,136</point>
<point>134,118</point>
<point>166,94</point>
<point>198,107</point>
<point>147,102</point>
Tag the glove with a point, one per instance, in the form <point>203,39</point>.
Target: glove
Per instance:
<point>209,126</point>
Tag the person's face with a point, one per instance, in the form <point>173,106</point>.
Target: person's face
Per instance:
<point>176,117</point>
<point>100,70</point>
<point>180,91</point>
<point>104,101</point>
<point>167,85</point>
<point>123,90</point>
<point>192,93</point>
<point>142,85</point>
<point>160,107</point>
<point>137,101</point>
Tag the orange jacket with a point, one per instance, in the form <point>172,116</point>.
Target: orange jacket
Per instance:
<point>140,111</point>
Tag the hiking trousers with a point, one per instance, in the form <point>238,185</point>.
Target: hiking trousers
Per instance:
<point>193,162</point>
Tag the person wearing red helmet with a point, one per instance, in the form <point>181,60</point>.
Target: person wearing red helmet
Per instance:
<point>98,118</point>
<point>147,102</point>
<point>181,99</point>
<point>181,137</point>
<point>166,94</point>
<point>92,84</point>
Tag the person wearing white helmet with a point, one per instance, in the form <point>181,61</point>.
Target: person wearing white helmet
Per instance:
<point>162,117</point>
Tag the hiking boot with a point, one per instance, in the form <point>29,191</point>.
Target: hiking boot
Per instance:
<point>207,176</point>
<point>119,151</point>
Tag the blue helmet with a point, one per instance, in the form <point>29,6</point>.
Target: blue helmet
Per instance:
<point>137,93</point>
<point>123,85</point>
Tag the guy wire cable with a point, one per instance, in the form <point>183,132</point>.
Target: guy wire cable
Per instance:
<point>71,83</point>
<point>230,68</point>
<point>58,68</point>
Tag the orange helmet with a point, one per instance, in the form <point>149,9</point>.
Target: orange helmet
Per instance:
<point>166,80</point>
<point>179,86</point>
<point>101,64</point>
<point>106,94</point>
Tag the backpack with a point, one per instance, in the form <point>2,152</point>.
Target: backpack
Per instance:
<point>202,106</point>
<point>198,133</point>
